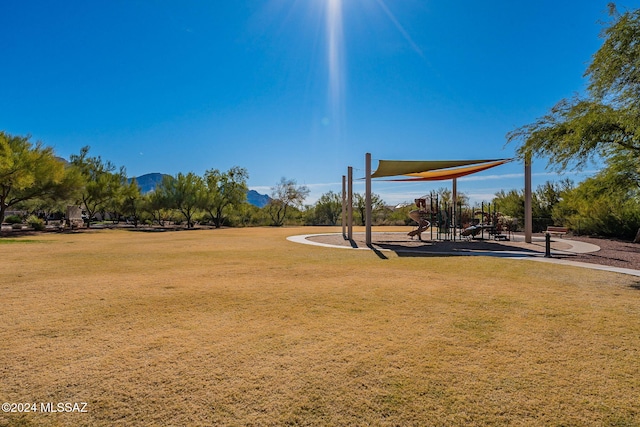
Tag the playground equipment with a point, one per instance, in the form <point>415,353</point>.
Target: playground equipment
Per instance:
<point>450,222</point>
<point>433,215</point>
<point>420,216</point>
<point>493,223</point>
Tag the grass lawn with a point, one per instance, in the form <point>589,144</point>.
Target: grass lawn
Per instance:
<point>242,327</point>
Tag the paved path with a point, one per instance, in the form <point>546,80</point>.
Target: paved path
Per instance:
<point>574,247</point>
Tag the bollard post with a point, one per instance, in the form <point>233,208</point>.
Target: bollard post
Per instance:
<point>547,246</point>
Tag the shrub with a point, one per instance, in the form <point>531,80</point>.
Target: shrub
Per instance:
<point>35,223</point>
<point>13,219</point>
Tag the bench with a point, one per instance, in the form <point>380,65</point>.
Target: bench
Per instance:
<point>558,231</point>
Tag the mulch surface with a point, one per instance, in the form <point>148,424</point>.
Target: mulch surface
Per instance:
<point>615,253</point>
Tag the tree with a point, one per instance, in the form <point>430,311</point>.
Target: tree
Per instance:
<point>102,182</point>
<point>29,172</point>
<point>603,124</point>
<point>131,201</point>
<point>328,209</point>
<point>544,203</point>
<point>157,205</point>
<point>600,206</point>
<point>223,191</point>
<point>285,195</point>
<point>360,205</point>
<point>184,193</point>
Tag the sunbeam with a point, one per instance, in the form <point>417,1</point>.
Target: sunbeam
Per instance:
<point>400,28</point>
<point>335,60</point>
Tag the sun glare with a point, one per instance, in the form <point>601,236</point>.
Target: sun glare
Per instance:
<point>334,56</point>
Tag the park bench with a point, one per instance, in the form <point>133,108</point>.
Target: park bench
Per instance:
<point>557,231</point>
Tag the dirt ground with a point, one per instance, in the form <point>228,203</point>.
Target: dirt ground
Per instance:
<point>616,253</point>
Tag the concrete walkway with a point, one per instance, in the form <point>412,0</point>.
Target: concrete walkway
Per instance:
<point>574,247</point>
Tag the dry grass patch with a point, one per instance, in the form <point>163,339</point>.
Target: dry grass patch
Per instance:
<point>241,327</point>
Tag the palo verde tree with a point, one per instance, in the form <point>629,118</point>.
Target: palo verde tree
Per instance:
<point>131,201</point>
<point>102,182</point>
<point>157,204</point>
<point>284,195</point>
<point>183,193</point>
<point>29,172</point>
<point>224,190</point>
<point>605,122</point>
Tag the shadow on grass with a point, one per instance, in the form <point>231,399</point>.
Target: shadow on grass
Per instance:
<point>376,251</point>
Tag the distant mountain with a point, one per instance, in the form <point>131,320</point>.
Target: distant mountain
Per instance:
<point>257,199</point>
<point>148,183</point>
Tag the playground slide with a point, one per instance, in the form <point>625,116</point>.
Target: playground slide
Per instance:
<point>423,224</point>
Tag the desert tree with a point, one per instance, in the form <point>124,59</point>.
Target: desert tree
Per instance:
<point>131,201</point>
<point>157,205</point>
<point>285,195</point>
<point>360,206</point>
<point>31,171</point>
<point>183,193</point>
<point>602,124</point>
<point>328,209</point>
<point>102,182</point>
<point>223,191</point>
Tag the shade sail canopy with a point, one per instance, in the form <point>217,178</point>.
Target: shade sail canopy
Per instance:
<point>412,167</point>
<point>405,167</point>
<point>440,175</point>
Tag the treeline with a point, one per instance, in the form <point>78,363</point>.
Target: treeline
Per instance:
<point>34,180</point>
<point>598,206</point>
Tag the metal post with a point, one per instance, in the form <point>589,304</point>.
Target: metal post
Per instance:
<point>455,204</point>
<point>482,222</point>
<point>368,221</point>
<point>350,203</point>
<point>528,214</point>
<point>431,213</point>
<point>344,206</point>
<point>547,245</point>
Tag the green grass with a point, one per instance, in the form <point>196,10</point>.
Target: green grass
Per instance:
<point>241,327</point>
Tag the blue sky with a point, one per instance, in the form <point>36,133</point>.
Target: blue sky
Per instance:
<point>293,88</point>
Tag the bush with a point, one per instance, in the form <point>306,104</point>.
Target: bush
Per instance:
<point>35,223</point>
<point>13,219</point>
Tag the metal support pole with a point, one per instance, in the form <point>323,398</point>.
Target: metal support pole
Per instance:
<point>344,207</point>
<point>547,245</point>
<point>431,225</point>
<point>455,204</point>
<point>350,203</point>
<point>528,213</point>
<point>368,221</point>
